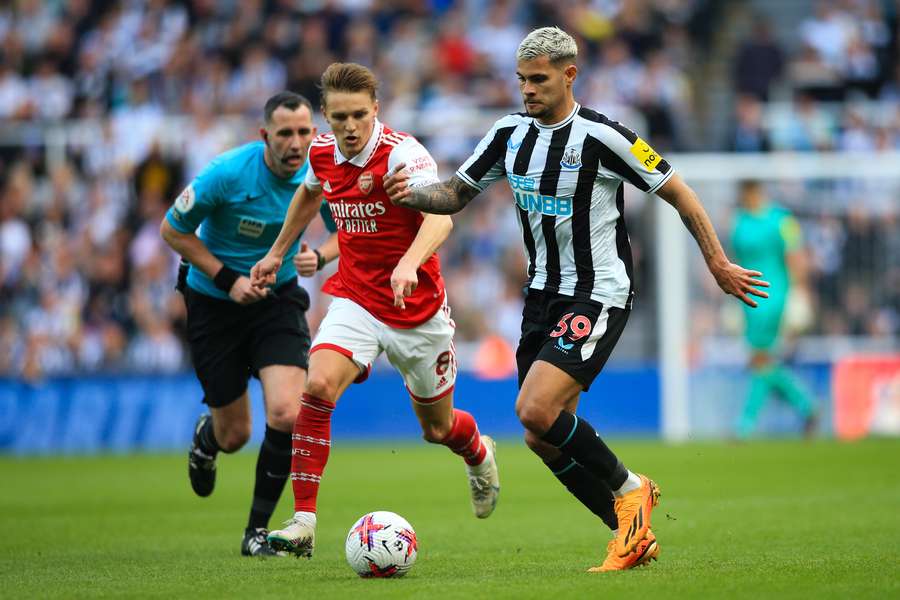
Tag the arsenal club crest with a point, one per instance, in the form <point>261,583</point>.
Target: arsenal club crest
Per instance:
<point>364,183</point>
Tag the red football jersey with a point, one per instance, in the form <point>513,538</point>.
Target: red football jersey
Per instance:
<point>373,233</point>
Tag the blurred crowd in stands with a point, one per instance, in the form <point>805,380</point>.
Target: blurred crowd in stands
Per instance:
<point>150,90</point>
<point>834,86</point>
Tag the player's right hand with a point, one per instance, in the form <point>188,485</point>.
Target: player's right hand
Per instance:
<point>265,272</point>
<point>404,282</point>
<point>396,184</point>
<point>244,292</point>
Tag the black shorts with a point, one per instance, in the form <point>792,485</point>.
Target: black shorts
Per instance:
<point>229,342</point>
<point>575,335</point>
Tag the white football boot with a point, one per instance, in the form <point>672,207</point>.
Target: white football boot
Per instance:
<point>298,536</point>
<point>484,481</point>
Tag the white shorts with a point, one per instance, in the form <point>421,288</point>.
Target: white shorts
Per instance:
<point>424,355</point>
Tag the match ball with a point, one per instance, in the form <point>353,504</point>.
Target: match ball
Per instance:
<point>381,544</point>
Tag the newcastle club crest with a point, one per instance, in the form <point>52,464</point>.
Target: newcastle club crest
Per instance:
<point>571,158</point>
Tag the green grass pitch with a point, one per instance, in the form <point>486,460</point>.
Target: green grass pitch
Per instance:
<point>759,520</point>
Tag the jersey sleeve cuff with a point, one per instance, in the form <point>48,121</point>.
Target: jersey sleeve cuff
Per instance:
<point>178,225</point>
<point>662,181</point>
<point>469,181</point>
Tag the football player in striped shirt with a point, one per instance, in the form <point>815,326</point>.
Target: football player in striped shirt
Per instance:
<point>566,165</point>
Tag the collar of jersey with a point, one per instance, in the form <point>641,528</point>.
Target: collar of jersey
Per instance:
<point>363,157</point>
<point>561,123</point>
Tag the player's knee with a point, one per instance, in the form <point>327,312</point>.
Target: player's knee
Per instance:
<point>321,386</point>
<point>532,441</point>
<point>435,433</point>
<point>282,416</point>
<point>234,437</point>
<point>539,446</point>
<point>534,417</point>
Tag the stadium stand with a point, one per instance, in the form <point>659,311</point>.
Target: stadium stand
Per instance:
<point>108,108</point>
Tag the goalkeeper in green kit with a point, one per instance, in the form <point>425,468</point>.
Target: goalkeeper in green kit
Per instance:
<point>767,238</point>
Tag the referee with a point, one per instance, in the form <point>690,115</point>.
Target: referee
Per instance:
<point>234,330</point>
<point>567,165</point>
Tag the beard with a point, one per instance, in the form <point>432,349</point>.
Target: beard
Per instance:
<point>538,112</point>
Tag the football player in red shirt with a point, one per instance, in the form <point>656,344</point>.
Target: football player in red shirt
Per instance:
<point>389,295</point>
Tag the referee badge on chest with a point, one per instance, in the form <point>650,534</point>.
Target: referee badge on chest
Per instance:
<point>251,227</point>
<point>365,182</point>
<point>571,158</point>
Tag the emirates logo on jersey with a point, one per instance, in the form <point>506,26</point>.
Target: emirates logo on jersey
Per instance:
<point>365,182</point>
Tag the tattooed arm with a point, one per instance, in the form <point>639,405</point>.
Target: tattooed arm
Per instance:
<point>732,278</point>
<point>444,198</point>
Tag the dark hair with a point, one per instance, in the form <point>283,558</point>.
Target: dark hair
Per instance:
<point>290,100</point>
<point>348,77</point>
<point>747,185</point>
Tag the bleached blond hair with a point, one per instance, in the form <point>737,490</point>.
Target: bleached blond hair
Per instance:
<point>552,42</point>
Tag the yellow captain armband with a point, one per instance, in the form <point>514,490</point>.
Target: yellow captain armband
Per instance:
<point>646,155</point>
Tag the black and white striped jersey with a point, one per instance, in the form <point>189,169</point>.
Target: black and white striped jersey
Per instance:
<point>567,181</point>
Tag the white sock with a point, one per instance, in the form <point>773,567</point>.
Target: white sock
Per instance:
<point>483,465</point>
<point>633,482</point>
<point>306,518</point>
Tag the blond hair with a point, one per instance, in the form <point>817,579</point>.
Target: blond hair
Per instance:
<point>552,42</point>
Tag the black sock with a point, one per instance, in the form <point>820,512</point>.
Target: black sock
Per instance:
<point>576,438</point>
<point>207,438</point>
<point>273,467</point>
<point>590,491</point>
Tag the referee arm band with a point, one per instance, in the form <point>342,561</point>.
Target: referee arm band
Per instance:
<point>320,260</point>
<point>225,278</point>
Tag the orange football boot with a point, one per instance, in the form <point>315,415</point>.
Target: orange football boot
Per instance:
<point>633,512</point>
<point>646,550</point>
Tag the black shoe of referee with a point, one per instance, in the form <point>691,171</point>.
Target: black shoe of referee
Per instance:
<point>201,466</point>
<point>256,544</point>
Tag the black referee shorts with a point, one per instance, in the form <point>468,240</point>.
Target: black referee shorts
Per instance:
<point>575,335</point>
<point>229,342</point>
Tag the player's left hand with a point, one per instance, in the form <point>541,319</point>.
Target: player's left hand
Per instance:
<point>403,283</point>
<point>306,261</point>
<point>396,184</point>
<point>739,282</point>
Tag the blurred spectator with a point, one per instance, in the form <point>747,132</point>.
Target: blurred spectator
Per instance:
<point>497,37</point>
<point>812,75</point>
<point>828,32</point>
<point>663,97</point>
<point>749,133</point>
<point>14,97</point>
<point>759,62</point>
<point>51,93</point>
<point>15,236</point>
<point>805,127</point>
<point>258,77</point>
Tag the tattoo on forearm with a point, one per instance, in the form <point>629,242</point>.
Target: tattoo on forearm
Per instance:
<point>443,198</point>
<point>703,232</point>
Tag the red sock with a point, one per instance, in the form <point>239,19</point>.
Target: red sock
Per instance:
<point>310,445</point>
<point>464,438</point>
